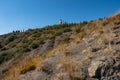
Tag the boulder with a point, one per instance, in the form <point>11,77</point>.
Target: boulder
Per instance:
<point>104,69</point>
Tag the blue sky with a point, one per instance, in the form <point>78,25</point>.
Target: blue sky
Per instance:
<point>25,14</point>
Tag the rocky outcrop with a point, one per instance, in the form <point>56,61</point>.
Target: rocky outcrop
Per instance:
<point>96,56</point>
<point>105,69</point>
<point>49,44</point>
<point>88,59</point>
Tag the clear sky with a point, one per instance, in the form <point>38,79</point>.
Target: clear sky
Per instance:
<point>24,14</point>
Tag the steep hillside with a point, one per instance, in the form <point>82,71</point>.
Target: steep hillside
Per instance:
<point>84,51</point>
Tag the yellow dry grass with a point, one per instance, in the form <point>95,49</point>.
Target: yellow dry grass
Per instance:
<point>108,51</point>
<point>14,71</point>
<point>114,18</point>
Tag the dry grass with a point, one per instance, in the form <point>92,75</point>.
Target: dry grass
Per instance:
<point>23,66</point>
<point>95,26</point>
<point>114,18</point>
<point>73,68</point>
<point>108,50</point>
<point>107,38</point>
<point>29,63</point>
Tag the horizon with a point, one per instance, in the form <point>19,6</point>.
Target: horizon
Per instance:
<point>28,14</point>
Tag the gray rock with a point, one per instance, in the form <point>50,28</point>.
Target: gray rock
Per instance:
<point>47,46</point>
<point>35,75</point>
<point>104,69</point>
<point>94,66</point>
<point>76,48</point>
<point>49,65</point>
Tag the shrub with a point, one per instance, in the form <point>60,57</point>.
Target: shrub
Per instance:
<point>67,30</point>
<point>52,37</point>
<point>25,40</point>
<point>10,39</point>
<point>13,45</point>
<point>78,30</point>
<point>66,39</point>
<point>42,40</point>
<point>21,49</point>
<point>24,47</point>
<point>38,34</point>
<point>58,33</point>
<point>6,57</point>
<point>35,44</point>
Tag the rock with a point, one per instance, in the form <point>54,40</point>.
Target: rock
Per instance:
<point>116,27</point>
<point>41,76</point>
<point>95,49</point>
<point>61,76</point>
<point>104,69</point>
<point>117,22</point>
<point>47,46</point>
<point>94,66</point>
<point>117,65</point>
<point>34,76</point>
<point>76,48</point>
<point>50,64</point>
<point>58,39</point>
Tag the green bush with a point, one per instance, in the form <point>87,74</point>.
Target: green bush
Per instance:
<point>6,57</point>
<point>58,33</point>
<point>10,39</point>
<point>42,41</point>
<point>24,47</point>
<point>21,49</point>
<point>38,34</point>
<point>25,40</point>
<point>35,44</point>
<point>13,45</point>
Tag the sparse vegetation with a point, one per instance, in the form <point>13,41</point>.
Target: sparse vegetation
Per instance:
<point>67,39</point>
<point>78,30</point>
<point>10,38</point>
<point>5,57</point>
<point>35,44</point>
<point>67,30</point>
<point>24,47</point>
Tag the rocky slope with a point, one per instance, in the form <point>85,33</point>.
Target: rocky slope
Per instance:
<point>86,51</point>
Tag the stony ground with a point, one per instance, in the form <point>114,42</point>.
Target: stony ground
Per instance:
<point>96,56</point>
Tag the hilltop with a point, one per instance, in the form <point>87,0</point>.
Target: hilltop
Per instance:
<point>79,51</point>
